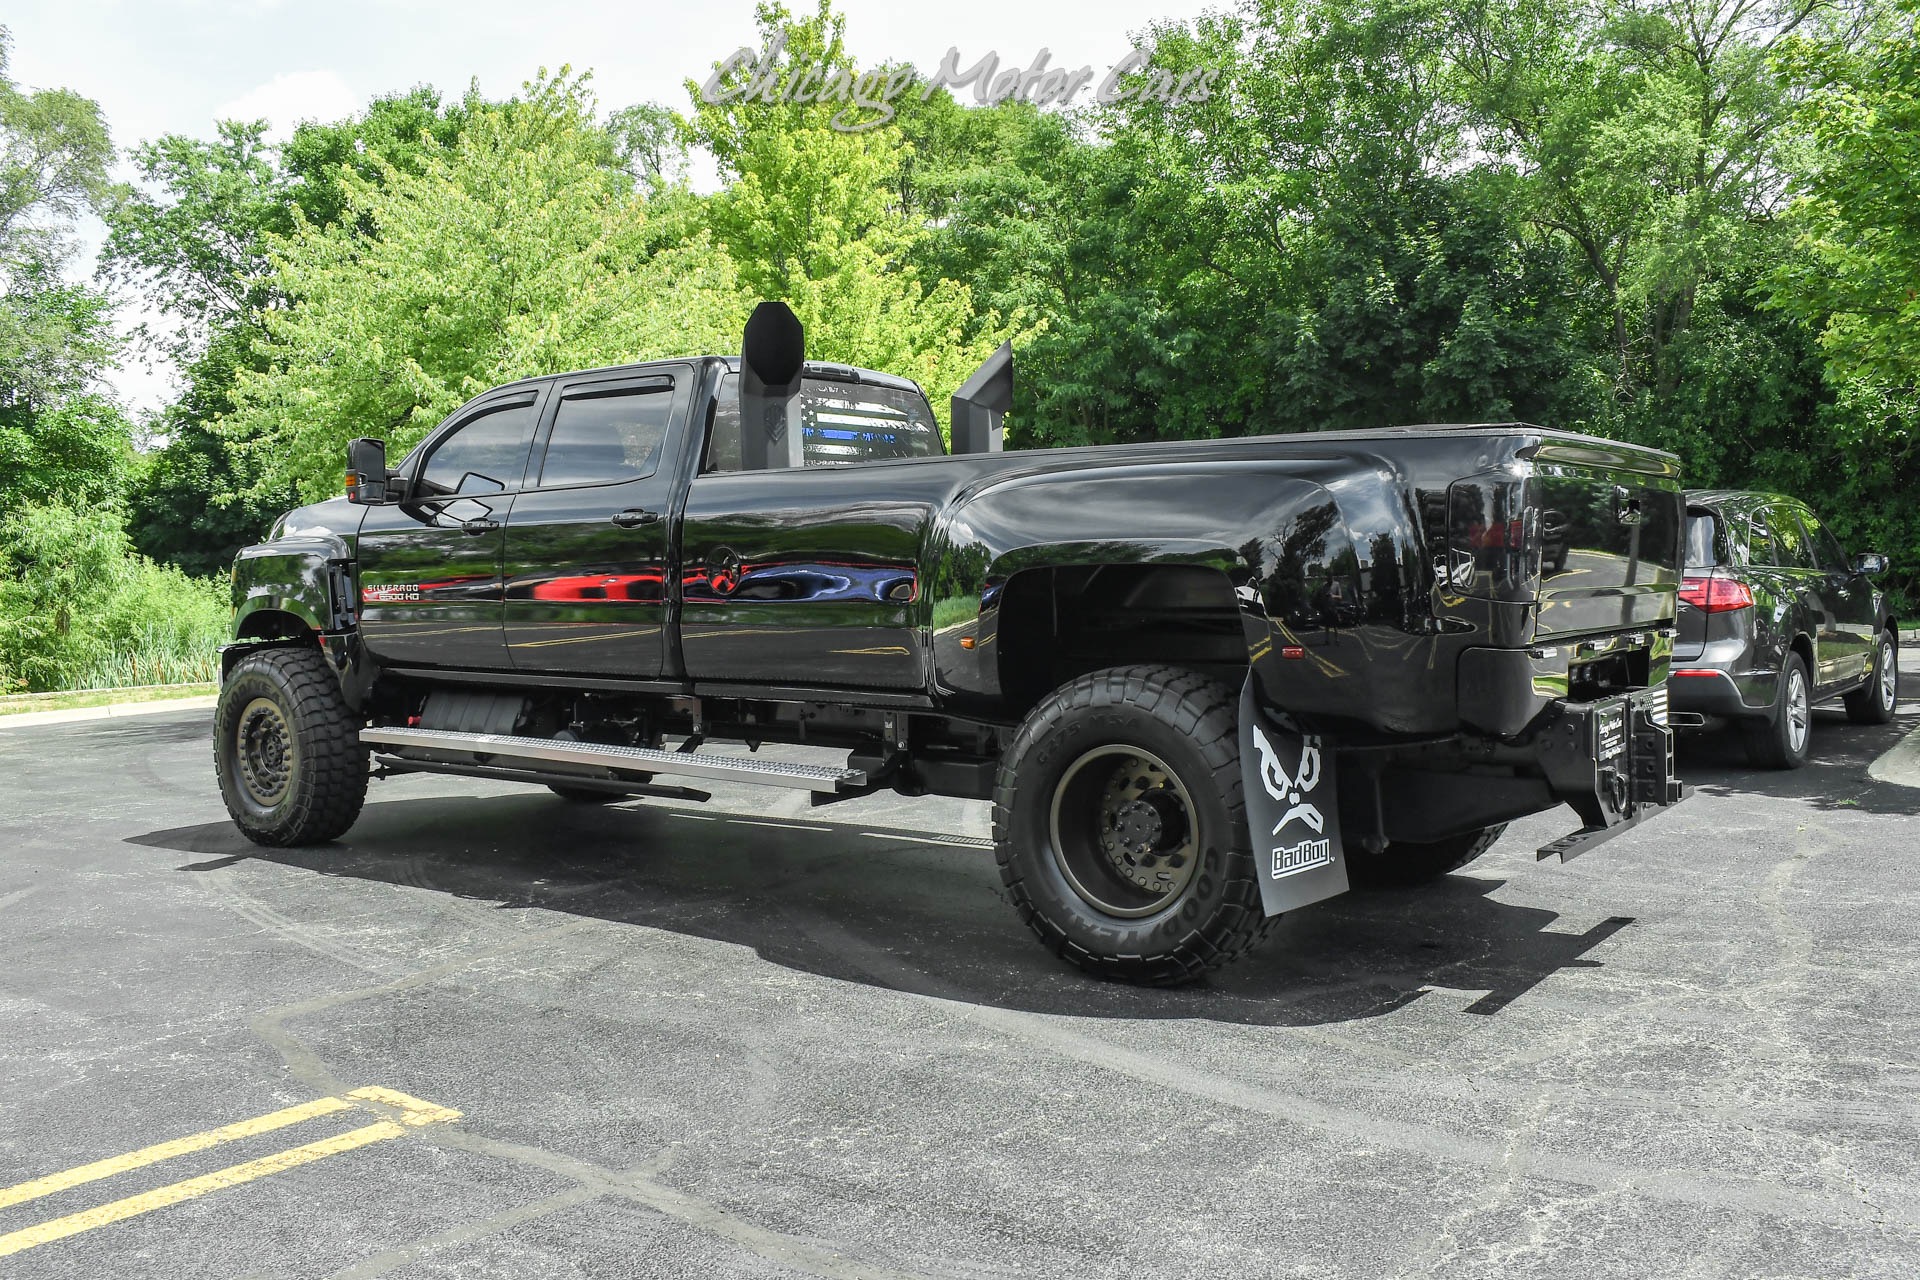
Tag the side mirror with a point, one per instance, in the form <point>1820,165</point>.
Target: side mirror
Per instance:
<point>1870,563</point>
<point>367,473</point>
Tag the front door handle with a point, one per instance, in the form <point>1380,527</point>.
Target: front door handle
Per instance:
<point>475,527</point>
<point>634,517</point>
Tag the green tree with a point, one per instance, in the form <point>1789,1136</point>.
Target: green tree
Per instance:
<point>519,249</point>
<point>192,235</point>
<point>58,432</point>
<point>809,216</point>
<point>1855,273</point>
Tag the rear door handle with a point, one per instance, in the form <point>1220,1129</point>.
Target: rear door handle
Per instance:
<point>634,517</point>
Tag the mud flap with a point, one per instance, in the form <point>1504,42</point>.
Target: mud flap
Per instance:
<point>1293,810</point>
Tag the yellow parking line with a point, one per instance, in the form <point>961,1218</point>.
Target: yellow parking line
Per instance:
<point>192,1188</point>
<point>413,1113</point>
<point>168,1150</point>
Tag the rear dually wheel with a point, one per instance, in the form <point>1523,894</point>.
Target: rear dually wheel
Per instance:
<point>1120,830</point>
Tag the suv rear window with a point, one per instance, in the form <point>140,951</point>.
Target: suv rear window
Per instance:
<point>1706,540</point>
<point>841,423</point>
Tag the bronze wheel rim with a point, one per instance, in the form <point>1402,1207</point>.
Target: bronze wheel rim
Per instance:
<point>1123,831</point>
<point>265,752</point>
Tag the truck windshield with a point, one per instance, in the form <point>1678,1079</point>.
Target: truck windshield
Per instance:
<point>841,423</point>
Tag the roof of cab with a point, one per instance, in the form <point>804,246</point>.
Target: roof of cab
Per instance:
<point>812,369</point>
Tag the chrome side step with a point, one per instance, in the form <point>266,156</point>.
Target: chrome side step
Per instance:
<point>505,749</point>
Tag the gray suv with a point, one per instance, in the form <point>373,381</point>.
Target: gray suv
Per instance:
<point>1773,618</point>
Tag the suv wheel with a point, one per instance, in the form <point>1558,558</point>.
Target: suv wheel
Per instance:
<point>287,750</point>
<point>1408,862</point>
<point>1119,827</point>
<point>1784,740</point>
<point>1873,702</point>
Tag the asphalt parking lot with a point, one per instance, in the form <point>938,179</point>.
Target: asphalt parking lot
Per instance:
<point>755,1039</point>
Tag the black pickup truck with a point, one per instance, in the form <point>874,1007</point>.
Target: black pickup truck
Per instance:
<point>1202,682</point>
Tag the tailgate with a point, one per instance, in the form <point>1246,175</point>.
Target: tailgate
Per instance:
<point>1610,524</point>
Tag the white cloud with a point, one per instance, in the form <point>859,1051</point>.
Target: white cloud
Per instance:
<point>287,100</point>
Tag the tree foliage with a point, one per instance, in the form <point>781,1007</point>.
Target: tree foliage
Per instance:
<point>1855,277</point>
<point>515,250</point>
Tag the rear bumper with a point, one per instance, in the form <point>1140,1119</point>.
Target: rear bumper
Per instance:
<point>1710,691</point>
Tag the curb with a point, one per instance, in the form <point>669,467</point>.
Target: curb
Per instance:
<point>1899,765</point>
<point>112,710</point>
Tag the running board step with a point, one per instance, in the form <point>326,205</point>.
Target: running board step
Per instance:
<point>495,748</point>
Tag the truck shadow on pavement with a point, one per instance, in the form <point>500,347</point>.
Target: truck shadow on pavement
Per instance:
<point>899,910</point>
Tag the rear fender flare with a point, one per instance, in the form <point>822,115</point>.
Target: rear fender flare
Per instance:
<point>1272,534</point>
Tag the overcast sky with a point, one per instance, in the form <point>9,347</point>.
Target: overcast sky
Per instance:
<point>177,67</point>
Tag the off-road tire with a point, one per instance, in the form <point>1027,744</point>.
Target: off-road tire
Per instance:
<point>1189,722</point>
<point>1874,701</point>
<point>1769,742</point>
<point>325,778</point>
<point>1409,862</point>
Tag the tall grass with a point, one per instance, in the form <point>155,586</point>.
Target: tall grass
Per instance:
<point>159,655</point>
<point>80,610</point>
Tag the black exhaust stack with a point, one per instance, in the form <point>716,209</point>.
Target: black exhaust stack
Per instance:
<point>772,354</point>
<point>980,406</point>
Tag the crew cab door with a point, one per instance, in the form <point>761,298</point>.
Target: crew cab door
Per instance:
<point>429,567</point>
<point>808,575</point>
<point>588,544</point>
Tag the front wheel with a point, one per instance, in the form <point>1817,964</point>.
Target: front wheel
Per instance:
<point>287,750</point>
<point>1873,702</point>
<point>1120,830</point>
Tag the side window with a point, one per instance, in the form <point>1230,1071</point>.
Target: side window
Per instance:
<point>1706,545</point>
<point>1760,548</point>
<point>1796,549</point>
<point>841,423</point>
<point>603,437</point>
<point>1826,548</point>
<point>485,454</point>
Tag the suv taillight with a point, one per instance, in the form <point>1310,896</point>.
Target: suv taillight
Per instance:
<point>1715,594</point>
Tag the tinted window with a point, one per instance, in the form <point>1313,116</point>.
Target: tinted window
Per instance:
<point>841,423</point>
<point>1826,548</point>
<point>486,454</point>
<point>600,437</point>
<point>1796,549</point>
<point>1760,548</point>
<point>1706,544</point>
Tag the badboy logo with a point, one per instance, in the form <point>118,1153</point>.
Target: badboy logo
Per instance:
<point>1293,790</point>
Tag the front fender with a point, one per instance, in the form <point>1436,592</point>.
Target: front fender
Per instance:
<point>304,575</point>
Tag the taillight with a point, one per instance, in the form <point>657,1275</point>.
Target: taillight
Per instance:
<point>1715,594</point>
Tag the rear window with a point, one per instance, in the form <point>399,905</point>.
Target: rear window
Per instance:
<point>1706,540</point>
<point>841,423</point>
<point>606,436</point>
